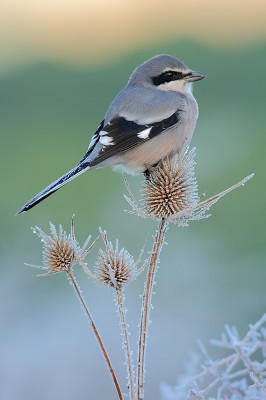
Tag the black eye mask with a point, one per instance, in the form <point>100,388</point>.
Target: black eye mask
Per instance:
<point>168,76</point>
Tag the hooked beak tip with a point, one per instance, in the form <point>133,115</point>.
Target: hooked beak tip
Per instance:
<point>195,76</point>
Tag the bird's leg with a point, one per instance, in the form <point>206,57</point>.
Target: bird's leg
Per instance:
<point>148,172</point>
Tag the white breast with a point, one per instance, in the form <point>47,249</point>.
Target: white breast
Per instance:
<point>189,119</point>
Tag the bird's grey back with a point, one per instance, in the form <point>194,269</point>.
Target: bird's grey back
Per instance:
<point>141,97</point>
<point>139,103</point>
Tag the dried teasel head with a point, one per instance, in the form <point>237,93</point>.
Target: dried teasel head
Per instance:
<point>170,187</point>
<point>170,191</point>
<point>114,267</point>
<point>61,251</point>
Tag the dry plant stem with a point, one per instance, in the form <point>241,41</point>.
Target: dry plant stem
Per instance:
<point>95,331</point>
<point>146,305</point>
<point>119,300</point>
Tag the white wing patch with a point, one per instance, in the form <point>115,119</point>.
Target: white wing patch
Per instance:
<point>144,134</point>
<point>106,140</point>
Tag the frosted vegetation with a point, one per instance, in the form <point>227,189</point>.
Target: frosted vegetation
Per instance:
<point>239,375</point>
<point>169,194</point>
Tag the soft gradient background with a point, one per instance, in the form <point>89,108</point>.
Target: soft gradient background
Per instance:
<point>61,63</point>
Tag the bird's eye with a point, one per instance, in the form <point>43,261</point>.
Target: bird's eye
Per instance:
<point>169,74</point>
<point>172,75</point>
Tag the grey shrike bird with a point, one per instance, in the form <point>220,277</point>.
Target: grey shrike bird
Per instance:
<point>152,117</point>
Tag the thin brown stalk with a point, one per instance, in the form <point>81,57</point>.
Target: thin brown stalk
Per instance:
<point>119,300</point>
<point>95,331</point>
<point>146,305</point>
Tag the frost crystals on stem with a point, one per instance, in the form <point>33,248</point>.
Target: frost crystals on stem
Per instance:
<point>61,252</point>
<point>169,194</point>
<point>116,268</point>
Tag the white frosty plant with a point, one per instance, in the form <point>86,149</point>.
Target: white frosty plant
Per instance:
<point>239,375</point>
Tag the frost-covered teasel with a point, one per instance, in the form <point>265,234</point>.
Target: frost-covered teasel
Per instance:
<point>61,251</point>
<point>114,267</point>
<point>171,187</point>
<point>170,191</point>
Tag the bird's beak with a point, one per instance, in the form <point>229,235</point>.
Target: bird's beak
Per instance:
<point>195,76</point>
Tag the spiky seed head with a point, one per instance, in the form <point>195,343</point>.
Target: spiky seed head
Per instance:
<point>61,251</point>
<point>170,192</point>
<point>170,187</point>
<point>114,267</point>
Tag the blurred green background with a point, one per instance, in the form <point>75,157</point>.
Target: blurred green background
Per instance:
<point>53,94</point>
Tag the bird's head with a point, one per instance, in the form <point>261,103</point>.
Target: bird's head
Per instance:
<point>166,73</point>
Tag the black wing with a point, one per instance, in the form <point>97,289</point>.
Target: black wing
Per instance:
<point>121,135</point>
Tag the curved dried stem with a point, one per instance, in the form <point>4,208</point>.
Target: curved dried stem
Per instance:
<point>95,331</point>
<point>129,364</point>
<point>146,305</point>
<point>87,271</point>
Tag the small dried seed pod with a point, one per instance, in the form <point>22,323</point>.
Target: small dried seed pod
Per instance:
<point>61,251</point>
<point>114,267</point>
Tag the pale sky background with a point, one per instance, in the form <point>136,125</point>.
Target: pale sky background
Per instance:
<point>86,32</point>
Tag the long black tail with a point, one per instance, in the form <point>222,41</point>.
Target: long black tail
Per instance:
<point>53,187</point>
